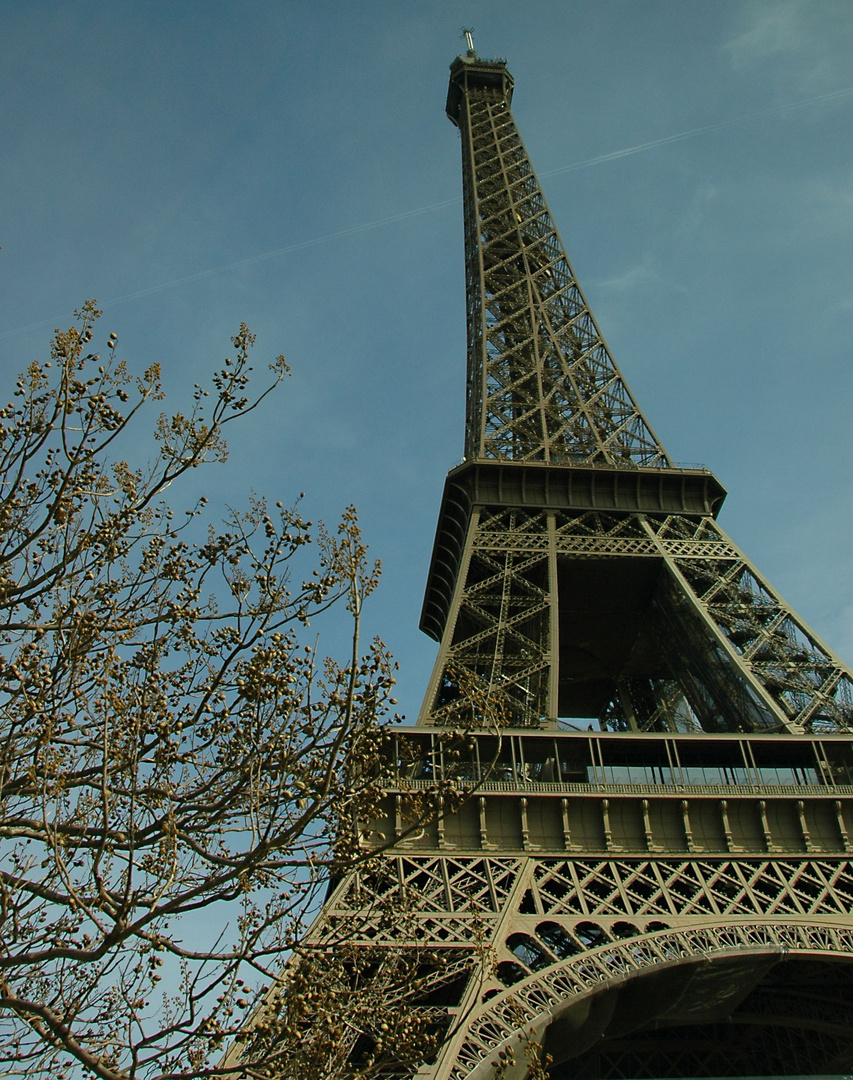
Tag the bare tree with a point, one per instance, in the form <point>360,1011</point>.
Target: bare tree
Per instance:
<point>178,773</point>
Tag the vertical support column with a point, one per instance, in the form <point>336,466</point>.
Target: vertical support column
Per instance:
<point>443,658</point>
<point>553,627</point>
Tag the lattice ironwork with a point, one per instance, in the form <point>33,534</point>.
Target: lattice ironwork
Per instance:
<point>542,388</point>
<point>751,947</point>
<point>503,621</point>
<point>808,683</point>
<point>730,654</point>
<point>464,887</point>
<point>675,849</point>
<point>542,385</point>
<point>688,887</point>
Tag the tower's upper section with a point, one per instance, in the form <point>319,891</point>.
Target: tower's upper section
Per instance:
<point>542,385</point>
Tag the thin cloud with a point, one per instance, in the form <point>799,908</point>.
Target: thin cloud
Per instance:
<point>808,37</point>
<point>774,29</point>
<point>586,163</point>
<point>641,274</point>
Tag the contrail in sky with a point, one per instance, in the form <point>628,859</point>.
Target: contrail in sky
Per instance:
<point>614,155</point>
<point>301,245</point>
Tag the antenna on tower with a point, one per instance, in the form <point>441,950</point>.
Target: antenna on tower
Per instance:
<point>468,34</point>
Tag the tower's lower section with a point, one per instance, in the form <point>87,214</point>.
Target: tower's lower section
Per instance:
<point>646,906</point>
<point>619,838</point>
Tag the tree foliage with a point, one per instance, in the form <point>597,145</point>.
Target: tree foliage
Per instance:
<point>178,773</point>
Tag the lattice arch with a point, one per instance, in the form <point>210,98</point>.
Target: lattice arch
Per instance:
<point>519,1017</point>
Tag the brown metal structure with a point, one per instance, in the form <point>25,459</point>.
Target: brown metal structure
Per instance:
<point>576,569</point>
<point>657,854</point>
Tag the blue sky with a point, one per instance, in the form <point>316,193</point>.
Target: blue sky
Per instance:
<point>289,164</point>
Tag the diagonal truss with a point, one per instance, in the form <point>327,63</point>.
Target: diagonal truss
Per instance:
<point>728,655</point>
<point>542,385</point>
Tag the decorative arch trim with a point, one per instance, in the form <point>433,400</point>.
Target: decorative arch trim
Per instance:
<point>533,1004</point>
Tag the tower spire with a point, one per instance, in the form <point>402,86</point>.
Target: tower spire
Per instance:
<point>542,384</point>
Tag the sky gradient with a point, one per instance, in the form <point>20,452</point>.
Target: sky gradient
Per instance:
<point>192,165</point>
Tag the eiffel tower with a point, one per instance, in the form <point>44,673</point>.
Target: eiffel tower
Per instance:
<point>656,853</point>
